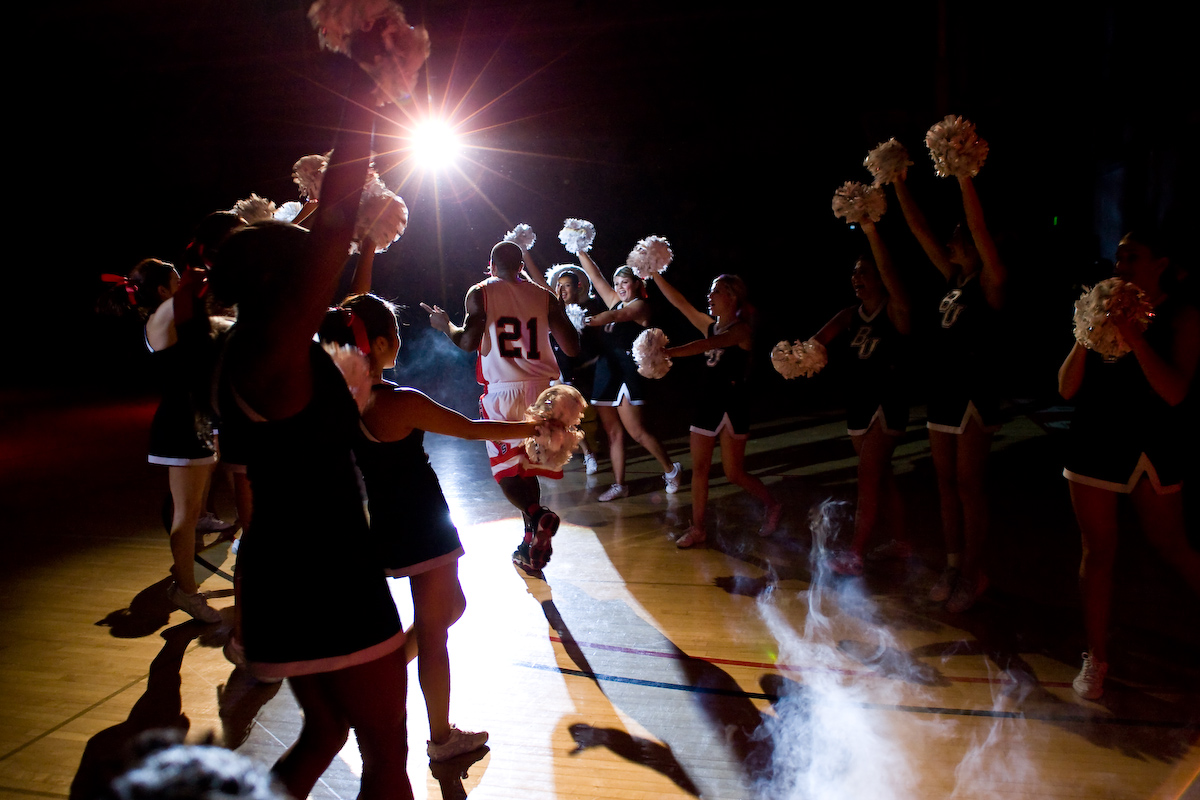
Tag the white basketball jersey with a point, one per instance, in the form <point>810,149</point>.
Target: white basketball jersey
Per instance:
<point>516,343</point>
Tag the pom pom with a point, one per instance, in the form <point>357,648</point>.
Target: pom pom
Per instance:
<point>1097,309</point>
<point>254,209</point>
<point>857,202</point>
<point>392,54</point>
<point>650,255</point>
<point>560,409</point>
<point>356,369</point>
<point>888,162</point>
<point>308,173</point>
<point>289,211</point>
<point>648,353</point>
<point>522,236</point>
<point>382,215</point>
<point>955,148</point>
<point>576,314</point>
<point>791,360</point>
<point>577,235</point>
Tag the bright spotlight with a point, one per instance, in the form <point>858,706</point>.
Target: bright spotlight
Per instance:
<point>435,144</point>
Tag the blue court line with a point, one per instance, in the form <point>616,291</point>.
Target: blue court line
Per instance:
<point>955,712</point>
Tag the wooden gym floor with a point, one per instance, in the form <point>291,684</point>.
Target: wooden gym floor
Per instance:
<point>634,670</point>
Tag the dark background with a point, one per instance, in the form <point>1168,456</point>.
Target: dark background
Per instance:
<point>724,128</point>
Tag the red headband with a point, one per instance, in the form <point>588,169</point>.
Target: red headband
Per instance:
<point>121,280</point>
<point>358,328</point>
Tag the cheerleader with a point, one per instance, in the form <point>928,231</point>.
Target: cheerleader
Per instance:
<point>410,520</point>
<point>1126,439</point>
<point>871,338</point>
<point>723,411</point>
<point>618,390</point>
<point>181,435</point>
<point>341,648</point>
<point>963,408</point>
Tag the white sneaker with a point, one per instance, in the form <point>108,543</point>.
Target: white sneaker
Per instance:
<point>459,742</point>
<point>1089,683</point>
<point>194,604</point>
<point>673,477</point>
<point>944,586</point>
<point>614,492</point>
<point>211,523</point>
<point>589,463</point>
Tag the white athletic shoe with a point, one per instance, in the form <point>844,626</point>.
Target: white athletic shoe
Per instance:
<point>589,463</point>
<point>614,492</point>
<point>1089,683</point>
<point>194,604</point>
<point>673,477</point>
<point>211,523</point>
<point>459,742</point>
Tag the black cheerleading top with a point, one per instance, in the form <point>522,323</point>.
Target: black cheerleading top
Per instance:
<point>314,597</point>
<point>873,353</point>
<point>410,519</point>
<point>1119,417</point>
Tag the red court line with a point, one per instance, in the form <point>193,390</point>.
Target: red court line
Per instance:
<point>790,667</point>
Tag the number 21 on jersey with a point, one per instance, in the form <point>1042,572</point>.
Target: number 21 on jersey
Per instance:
<point>510,338</point>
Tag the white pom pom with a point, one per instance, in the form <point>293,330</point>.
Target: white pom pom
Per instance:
<point>254,209</point>
<point>1098,307</point>
<point>356,369</point>
<point>576,314</point>
<point>792,360</point>
<point>649,256</point>
<point>308,173</point>
<point>888,162</point>
<point>382,215</point>
<point>857,202</point>
<point>560,408</point>
<point>404,48</point>
<point>577,235</point>
<point>648,353</point>
<point>288,211</point>
<point>955,148</point>
<point>522,235</point>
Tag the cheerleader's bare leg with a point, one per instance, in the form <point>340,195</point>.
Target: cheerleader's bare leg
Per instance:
<point>1162,521</point>
<point>702,455</point>
<point>1096,514</point>
<point>188,484</point>
<point>611,421</point>
<point>944,449</point>
<point>322,735</point>
<point>438,602</point>
<point>974,444</point>
<point>631,419</point>
<point>876,484</point>
<point>733,461</point>
<point>367,697</point>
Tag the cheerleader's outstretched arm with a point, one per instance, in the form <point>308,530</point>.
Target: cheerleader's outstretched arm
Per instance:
<point>698,318</point>
<point>394,414</point>
<point>602,286</point>
<point>994,275</point>
<point>919,225</point>
<point>898,305</point>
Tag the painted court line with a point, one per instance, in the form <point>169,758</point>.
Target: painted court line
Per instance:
<point>956,712</point>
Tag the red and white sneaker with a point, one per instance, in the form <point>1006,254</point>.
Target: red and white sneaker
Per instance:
<point>545,524</point>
